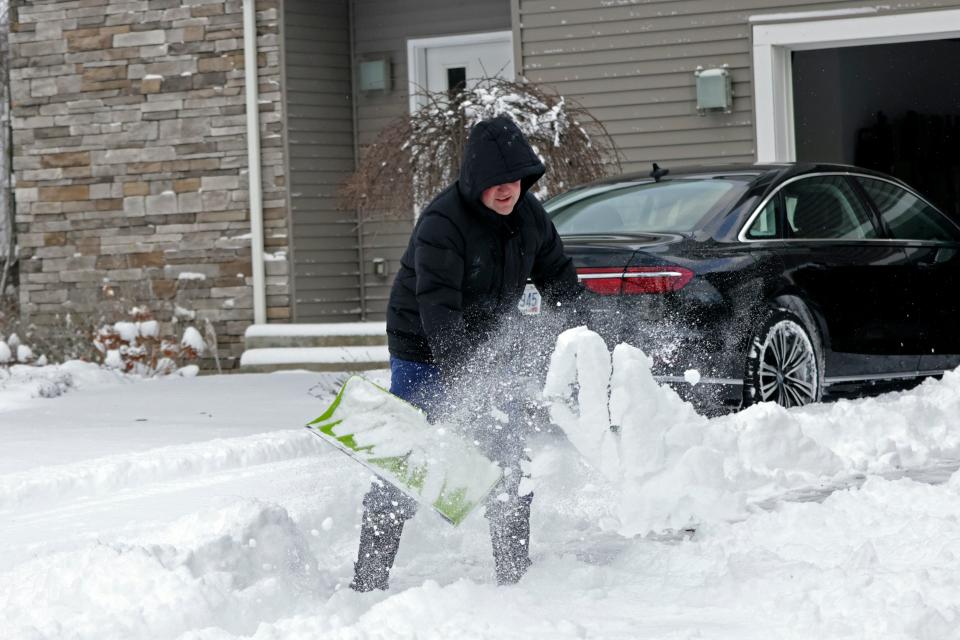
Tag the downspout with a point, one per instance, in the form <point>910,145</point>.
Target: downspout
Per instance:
<point>515,27</point>
<point>253,161</point>
<point>7,244</point>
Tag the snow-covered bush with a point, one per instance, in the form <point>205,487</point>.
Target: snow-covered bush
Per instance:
<point>417,156</point>
<point>60,339</point>
<point>24,353</point>
<point>13,351</point>
<point>120,335</point>
<point>136,345</point>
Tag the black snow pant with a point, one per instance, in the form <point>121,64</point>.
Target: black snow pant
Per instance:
<point>386,509</point>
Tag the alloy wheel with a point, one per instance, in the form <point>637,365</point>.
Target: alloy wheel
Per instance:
<point>788,373</point>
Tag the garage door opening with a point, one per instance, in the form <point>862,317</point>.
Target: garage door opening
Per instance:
<point>890,107</point>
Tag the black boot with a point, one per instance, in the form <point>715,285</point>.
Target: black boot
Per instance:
<point>510,538</point>
<point>385,511</point>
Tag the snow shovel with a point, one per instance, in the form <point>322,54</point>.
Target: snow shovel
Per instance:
<point>391,437</point>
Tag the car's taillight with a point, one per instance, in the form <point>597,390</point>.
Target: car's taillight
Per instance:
<point>633,280</point>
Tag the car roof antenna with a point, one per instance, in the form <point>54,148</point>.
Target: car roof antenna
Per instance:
<point>658,173</point>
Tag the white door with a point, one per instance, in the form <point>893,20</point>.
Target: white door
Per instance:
<point>449,66</point>
<point>441,64</point>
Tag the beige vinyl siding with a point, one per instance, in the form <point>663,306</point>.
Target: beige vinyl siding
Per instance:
<point>631,64</point>
<point>320,128</point>
<point>382,28</point>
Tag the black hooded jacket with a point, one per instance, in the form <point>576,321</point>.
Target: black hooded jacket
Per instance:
<point>466,266</point>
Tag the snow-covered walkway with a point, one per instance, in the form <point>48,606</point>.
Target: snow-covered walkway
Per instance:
<point>200,509</point>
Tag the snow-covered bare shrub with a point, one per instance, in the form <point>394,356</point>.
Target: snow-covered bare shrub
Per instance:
<point>14,351</point>
<point>120,333</point>
<point>417,156</point>
<point>64,337</point>
<point>136,345</point>
<point>9,325</point>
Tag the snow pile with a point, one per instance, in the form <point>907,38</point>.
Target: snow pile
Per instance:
<point>234,568</point>
<point>103,475</point>
<point>861,564</point>
<point>20,383</point>
<point>880,561</point>
<point>578,383</point>
<point>203,536</point>
<point>684,470</point>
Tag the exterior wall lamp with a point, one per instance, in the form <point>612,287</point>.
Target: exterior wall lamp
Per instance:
<point>714,90</point>
<point>374,75</point>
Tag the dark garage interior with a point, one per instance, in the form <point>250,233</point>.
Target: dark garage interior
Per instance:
<point>890,107</point>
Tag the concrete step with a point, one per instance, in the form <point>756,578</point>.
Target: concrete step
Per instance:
<point>352,334</point>
<point>315,347</point>
<point>315,359</point>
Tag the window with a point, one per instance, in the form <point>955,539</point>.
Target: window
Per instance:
<point>456,81</point>
<point>825,208</point>
<point>764,227</point>
<point>670,205</point>
<point>907,216</point>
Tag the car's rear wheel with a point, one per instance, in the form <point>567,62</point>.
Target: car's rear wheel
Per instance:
<point>784,364</point>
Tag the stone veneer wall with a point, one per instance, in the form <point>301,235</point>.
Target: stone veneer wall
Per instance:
<point>130,160</point>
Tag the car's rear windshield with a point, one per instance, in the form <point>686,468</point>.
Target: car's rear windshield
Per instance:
<point>678,205</point>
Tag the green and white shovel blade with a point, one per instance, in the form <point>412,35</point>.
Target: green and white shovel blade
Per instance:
<point>394,439</point>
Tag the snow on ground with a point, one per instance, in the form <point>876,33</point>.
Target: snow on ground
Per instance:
<point>673,468</point>
<point>199,509</point>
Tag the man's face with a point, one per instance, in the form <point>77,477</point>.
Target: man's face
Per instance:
<point>502,197</point>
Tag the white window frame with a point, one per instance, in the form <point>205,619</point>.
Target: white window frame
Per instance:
<point>417,55</point>
<point>774,40</point>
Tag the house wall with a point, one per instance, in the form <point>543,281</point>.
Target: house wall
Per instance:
<point>382,28</point>
<point>130,161</point>
<point>329,123</point>
<point>318,92</point>
<point>631,64</point>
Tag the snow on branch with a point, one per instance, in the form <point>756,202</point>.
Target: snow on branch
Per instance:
<point>418,155</point>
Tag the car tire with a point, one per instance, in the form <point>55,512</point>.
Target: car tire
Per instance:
<point>784,360</point>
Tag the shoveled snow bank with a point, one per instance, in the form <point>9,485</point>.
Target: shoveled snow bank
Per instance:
<point>20,383</point>
<point>265,550</point>
<point>681,469</point>
<point>880,561</point>
<point>234,568</point>
<point>103,475</point>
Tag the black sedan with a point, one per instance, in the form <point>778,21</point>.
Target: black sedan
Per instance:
<point>784,283</point>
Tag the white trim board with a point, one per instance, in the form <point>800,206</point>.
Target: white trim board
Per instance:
<point>417,54</point>
<point>773,73</point>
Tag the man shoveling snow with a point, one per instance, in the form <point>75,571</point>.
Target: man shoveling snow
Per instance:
<point>469,258</point>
